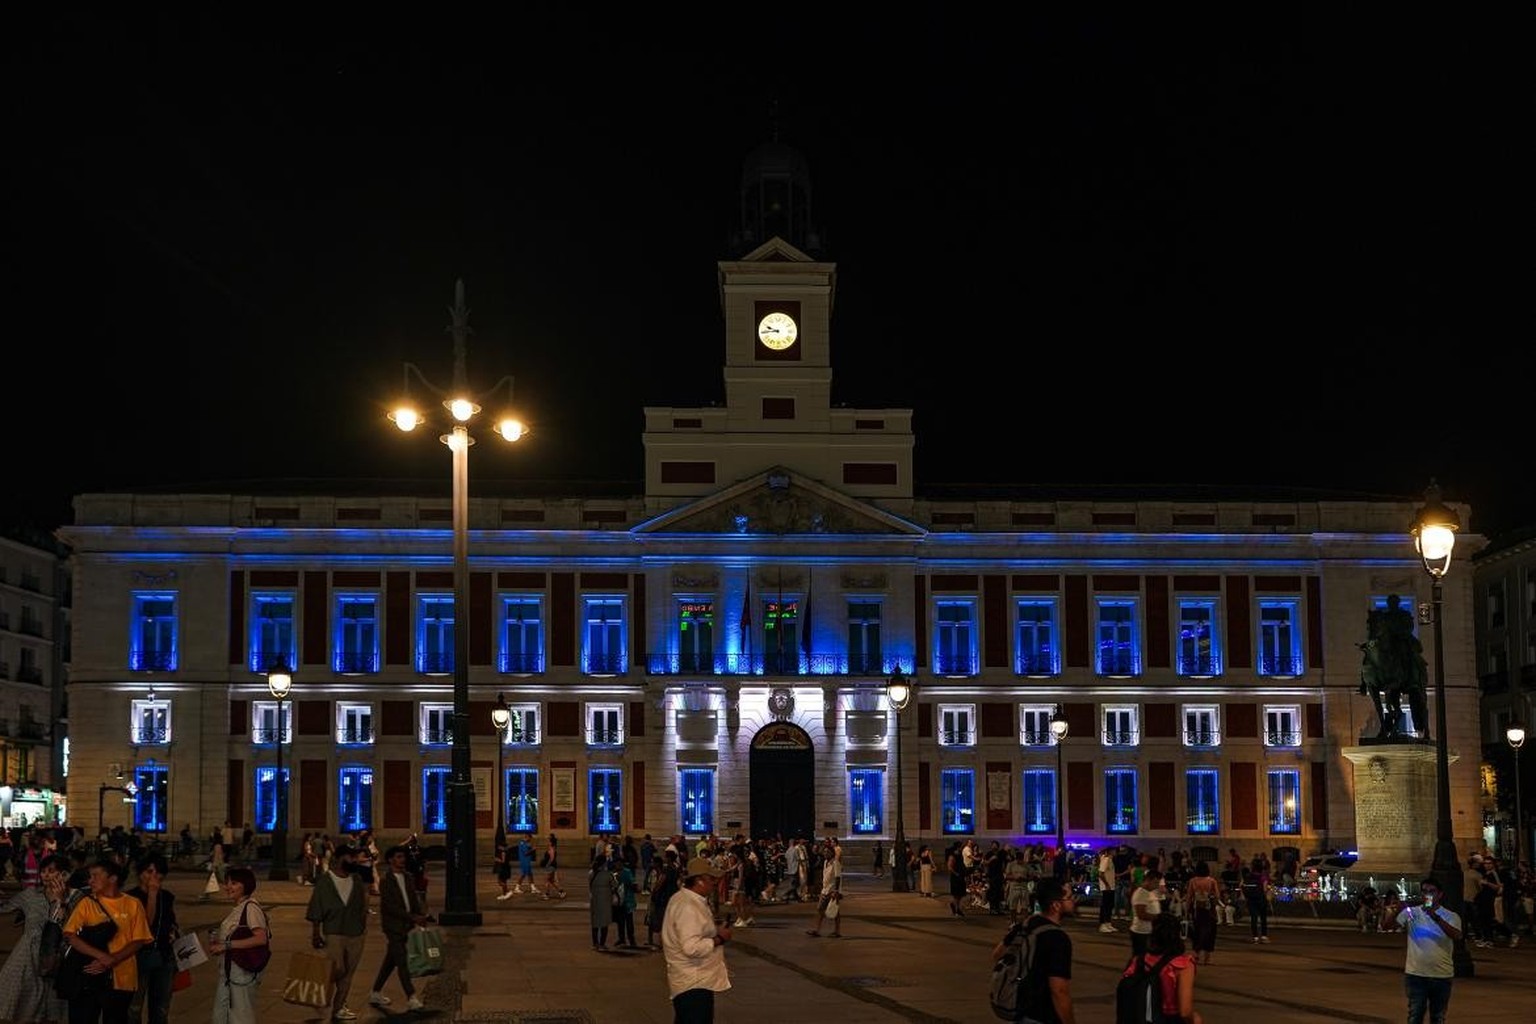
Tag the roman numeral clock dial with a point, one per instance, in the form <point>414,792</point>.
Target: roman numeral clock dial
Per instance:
<point>777,331</point>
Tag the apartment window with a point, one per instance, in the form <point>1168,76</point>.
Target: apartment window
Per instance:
<point>957,793</point>
<point>357,634</point>
<point>866,800</point>
<point>603,650</point>
<point>1120,800</point>
<point>1118,654</point>
<point>1039,801</point>
<point>695,636</point>
<point>354,723</point>
<point>1036,653</point>
<point>150,723</point>
<point>1035,725</point>
<point>864,654</point>
<point>522,634</point>
<point>1530,594</point>
<point>434,797</point>
<point>522,725</point>
<point>954,642</point>
<point>781,636</point>
<point>1279,638</point>
<point>266,797</point>
<point>151,806</point>
<point>1199,653</point>
<point>1202,725</point>
<point>522,799</point>
<point>1285,801</point>
<point>152,641</point>
<point>605,800</point>
<point>1120,728</point>
<point>696,800</point>
<point>272,637</point>
<point>1282,725</point>
<point>434,634</point>
<point>956,725</point>
<point>269,725</point>
<point>437,724</point>
<point>354,802</point>
<point>1496,605</point>
<point>605,725</point>
<point>1202,802</point>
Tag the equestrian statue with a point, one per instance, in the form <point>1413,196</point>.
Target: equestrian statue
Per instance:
<point>1393,668</point>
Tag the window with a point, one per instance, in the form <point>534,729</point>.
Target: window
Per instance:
<point>695,636</point>
<point>1035,725</point>
<point>954,642</point>
<point>955,725</point>
<point>866,800</point>
<point>266,797</point>
<point>522,799</point>
<point>605,725</point>
<point>434,634</point>
<point>437,724</point>
<point>1120,800</point>
<point>781,632</point>
<point>272,631</point>
<point>354,805</point>
<point>696,801</point>
<point>522,634</point>
<point>1120,726</point>
<point>957,790</point>
<point>605,800</point>
<point>354,723</point>
<point>1199,645</point>
<point>357,634</point>
<point>1202,725</point>
<point>523,725</point>
<point>1285,801</point>
<point>1202,814</point>
<point>1279,638</point>
<point>1496,605</point>
<point>434,797</point>
<point>1036,653</point>
<point>151,808</point>
<point>1118,653</point>
<point>1039,801</point>
<point>150,724</point>
<point>603,654</point>
<point>1282,725</point>
<point>864,655</point>
<point>266,729</point>
<point>152,642</point>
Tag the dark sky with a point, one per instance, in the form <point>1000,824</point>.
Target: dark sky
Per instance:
<point>1105,253</point>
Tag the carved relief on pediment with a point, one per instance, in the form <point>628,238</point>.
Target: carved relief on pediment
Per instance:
<point>782,510</point>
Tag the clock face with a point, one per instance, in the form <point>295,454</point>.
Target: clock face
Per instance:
<point>777,331</point>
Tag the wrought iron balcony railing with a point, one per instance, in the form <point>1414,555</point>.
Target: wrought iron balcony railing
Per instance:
<point>1282,738</point>
<point>1034,665</point>
<point>437,737</point>
<point>1199,665</point>
<point>789,663</point>
<point>606,663</point>
<point>268,736</point>
<point>953,664</point>
<point>1282,665</point>
<point>1121,737</point>
<point>1037,737</point>
<point>522,737</point>
<point>152,661</point>
<point>356,663</point>
<point>957,737</point>
<point>261,662</point>
<point>604,737</point>
<point>1202,737</point>
<point>354,736</point>
<point>439,663</point>
<point>520,663</point>
<point>1117,663</point>
<point>146,736</point>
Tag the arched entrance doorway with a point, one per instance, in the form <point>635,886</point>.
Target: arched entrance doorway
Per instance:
<point>783,774</point>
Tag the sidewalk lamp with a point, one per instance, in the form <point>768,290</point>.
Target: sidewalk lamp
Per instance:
<point>459,893</point>
<point>280,684</point>
<point>501,715</point>
<point>1515,734</point>
<point>898,691</point>
<point>1059,729</point>
<point>1434,537</point>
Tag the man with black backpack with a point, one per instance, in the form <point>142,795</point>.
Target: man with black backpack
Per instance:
<point>1032,966</point>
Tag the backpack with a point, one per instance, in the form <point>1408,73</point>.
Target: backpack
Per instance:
<point>1010,972</point>
<point>1139,997</point>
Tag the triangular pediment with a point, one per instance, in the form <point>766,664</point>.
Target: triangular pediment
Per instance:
<point>778,502</point>
<point>776,250</point>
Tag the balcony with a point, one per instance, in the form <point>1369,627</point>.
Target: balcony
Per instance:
<point>1036,665</point>
<point>1117,663</point>
<point>152,661</point>
<point>519,663</point>
<point>604,663</point>
<point>435,663</point>
<point>1281,666</point>
<point>1121,737</point>
<point>789,663</point>
<point>600,737</point>
<point>954,664</point>
<point>269,737</point>
<point>957,738</point>
<point>148,736</point>
<point>355,737</point>
<point>1282,738</point>
<point>1199,665</point>
<point>1202,738</point>
<point>437,737</point>
<point>356,663</point>
<point>1037,738</point>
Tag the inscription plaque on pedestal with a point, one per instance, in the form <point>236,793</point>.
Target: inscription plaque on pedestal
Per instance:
<point>1395,807</point>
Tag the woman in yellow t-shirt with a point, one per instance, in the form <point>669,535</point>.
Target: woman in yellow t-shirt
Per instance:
<point>106,900</point>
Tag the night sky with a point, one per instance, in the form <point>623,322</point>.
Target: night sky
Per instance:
<point>1110,254</point>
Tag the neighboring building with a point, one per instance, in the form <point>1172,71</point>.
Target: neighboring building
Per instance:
<point>34,632</point>
<point>1504,575</point>
<point>711,656</point>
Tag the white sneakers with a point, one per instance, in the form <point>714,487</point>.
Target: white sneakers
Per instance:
<point>505,896</point>
<point>344,1013</point>
<point>414,1003</point>
<point>378,999</point>
<point>1107,928</point>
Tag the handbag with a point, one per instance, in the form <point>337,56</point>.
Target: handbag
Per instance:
<point>424,952</point>
<point>311,980</point>
<point>70,979</point>
<point>252,958</point>
<point>50,948</point>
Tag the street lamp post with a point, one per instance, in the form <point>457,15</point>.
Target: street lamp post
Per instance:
<point>459,906</point>
<point>1515,734</point>
<point>279,684</point>
<point>1434,537</point>
<point>898,691</point>
<point>500,716</point>
<point>1059,729</point>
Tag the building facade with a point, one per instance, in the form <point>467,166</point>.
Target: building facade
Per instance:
<point>1504,575</point>
<point>34,632</point>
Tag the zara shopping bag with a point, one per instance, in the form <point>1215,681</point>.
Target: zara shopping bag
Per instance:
<point>310,980</point>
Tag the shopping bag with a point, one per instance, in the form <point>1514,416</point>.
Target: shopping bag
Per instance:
<point>424,952</point>
<point>189,952</point>
<point>311,980</point>
<point>212,886</point>
<point>182,980</point>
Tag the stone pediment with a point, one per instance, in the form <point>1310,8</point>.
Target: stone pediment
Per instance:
<point>779,502</point>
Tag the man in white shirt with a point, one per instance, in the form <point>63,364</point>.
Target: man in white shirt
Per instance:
<point>1429,967</point>
<point>1106,873</point>
<point>794,863</point>
<point>1146,904</point>
<point>691,943</point>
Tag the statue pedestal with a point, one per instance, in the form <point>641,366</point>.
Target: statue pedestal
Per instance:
<point>1395,809</point>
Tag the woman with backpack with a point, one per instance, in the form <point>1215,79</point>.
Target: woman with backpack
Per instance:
<point>1168,970</point>
<point>1203,897</point>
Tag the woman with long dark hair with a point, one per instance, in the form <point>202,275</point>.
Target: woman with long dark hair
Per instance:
<point>1203,898</point>
<point>1176,978</point>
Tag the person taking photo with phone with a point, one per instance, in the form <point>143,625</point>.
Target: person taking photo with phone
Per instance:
<point>1432,933</point>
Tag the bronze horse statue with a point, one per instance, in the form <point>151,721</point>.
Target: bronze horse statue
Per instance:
<point>1393,668</point>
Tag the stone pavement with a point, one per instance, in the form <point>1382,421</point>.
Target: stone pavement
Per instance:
<point>901,958</point>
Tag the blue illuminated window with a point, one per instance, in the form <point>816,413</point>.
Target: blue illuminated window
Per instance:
<point>272,638</point>
<point>1203,802</point>
<point>1120,800</point>
<point>357,634</point>
<point>266,797</point>
<point>954,641</point>
<point>866,800</point>
<point>152,641</point>
<point>434,797</point>
<point>522,634</point>
<point>434,634</point>
<point>957,792</point>
<point>1119,651</point>
<point>1285,801</point>
<point>864,656</point>
<point>695,636</point>
<point>151,807</point>
<point>354,805</point>
<point>1036,653</point>
<point>603,651</point>
<point>1279,638</point>
<point>1040,800</point>
<point>522,799</point>
<point>1199,651</point>
<point>696,800</point>
<point>781,636</point>
<point>605,799</point>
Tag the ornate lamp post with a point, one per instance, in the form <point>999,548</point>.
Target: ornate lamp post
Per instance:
<point>1059,729</point>
<point>1515,734</point>
<point>898,691</point>
<point>280,684</point>
<point>459,900</point>
<point>500,716</point>
<point>1434,537</point>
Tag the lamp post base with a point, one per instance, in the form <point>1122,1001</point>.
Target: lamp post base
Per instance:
<point>1447,871</point>
<point>279,869</point>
